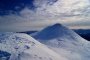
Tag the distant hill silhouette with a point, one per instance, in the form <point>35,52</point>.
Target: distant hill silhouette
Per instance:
<point>28,32</point>
<point>85,33</point>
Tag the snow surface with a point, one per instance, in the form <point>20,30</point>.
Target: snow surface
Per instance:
<point>21,46</point>
<point>65,42</point>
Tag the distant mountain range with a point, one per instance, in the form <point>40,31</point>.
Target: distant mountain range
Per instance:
<point>28,32</point>
<point>85,33</point>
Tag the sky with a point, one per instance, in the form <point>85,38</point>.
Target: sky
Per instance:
<point>26,15</point>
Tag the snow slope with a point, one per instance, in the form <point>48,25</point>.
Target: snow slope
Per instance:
<point>65,42</point>
<point>19,46</point>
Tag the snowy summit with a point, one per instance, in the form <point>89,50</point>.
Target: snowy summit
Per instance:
<point>64,41</point>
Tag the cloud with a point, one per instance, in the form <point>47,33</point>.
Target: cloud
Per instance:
<point>67,12</point>
<point>65,7</point>
<point>60,9</point>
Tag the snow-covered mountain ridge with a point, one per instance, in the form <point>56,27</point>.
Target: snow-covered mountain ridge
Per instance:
<point>64,41</point>
<point>23,47</point>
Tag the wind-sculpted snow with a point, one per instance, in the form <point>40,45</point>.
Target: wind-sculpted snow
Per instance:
<point>19,46</point>
<point>65,42</point>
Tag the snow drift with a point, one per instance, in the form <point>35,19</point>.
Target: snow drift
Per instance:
<point>65,42</point>
<point>17,46</point>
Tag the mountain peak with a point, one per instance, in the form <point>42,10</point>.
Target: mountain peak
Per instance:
<point>57,27</point>
<point>55,31</point>
<point>50,32</point>
<point>57,24</point>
